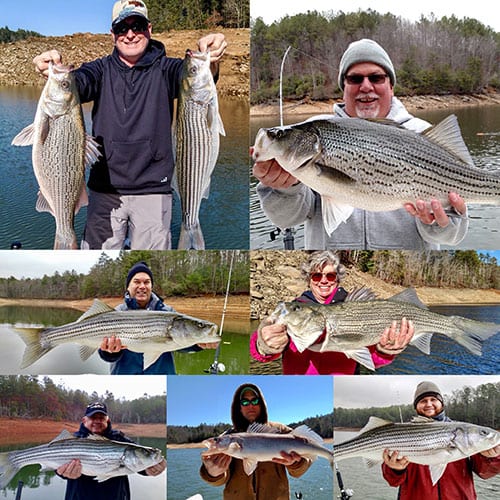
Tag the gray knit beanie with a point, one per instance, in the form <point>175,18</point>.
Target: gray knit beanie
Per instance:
<point>427,389</point>
<point>365,50</point>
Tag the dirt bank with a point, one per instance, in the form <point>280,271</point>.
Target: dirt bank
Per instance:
<point>19,430</point>
<point>16,66</point>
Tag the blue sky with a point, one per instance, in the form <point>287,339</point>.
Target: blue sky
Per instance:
<point>192,400</point>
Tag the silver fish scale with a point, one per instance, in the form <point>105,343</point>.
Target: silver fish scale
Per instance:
<point>388,154</point>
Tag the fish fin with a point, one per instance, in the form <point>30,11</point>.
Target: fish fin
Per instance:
<point>97,307</point>
<point>42,205</point>
<point>86,351</point>
<point>25,137</point>
<point>447,134</point>
<point>249,465</point>
<point>83,199</point>
<point>409,295</point>
<point>191,238</point>
<point>471,333</point>
<point>151,357</point>
<point>375,423</point>
<point>92,152</point>
<point>420,419</point>
<point>65,242</point>
<point>214,120</point>
<point>360,295</point>
<point>34,350</point>
<point>302,344</point>
<point>436,472</point>
<point>305,432</point>
<point>62,436</point>
<point>362,356</point>
<point>422,342</point>
<point>334,213</point>
<point>257,428</point>
<point>7,470</point>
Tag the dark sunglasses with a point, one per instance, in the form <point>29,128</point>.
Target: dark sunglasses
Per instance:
<point>253,402</point>
<point>356,79</point>
<point>138,26</point>
<point>317,277</point>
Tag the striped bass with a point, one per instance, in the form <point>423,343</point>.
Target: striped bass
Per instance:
<point>262,443</point>
<point>376,165</point>
<point>422,441</point>
<point>99,456</point>
<point>197,130</point>
<point>61,150</point>
<point>357,323</point>
<point>149,332</point>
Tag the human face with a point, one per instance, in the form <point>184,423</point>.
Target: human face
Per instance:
<point>429,406</point>
<point>97,423</point>
<point>250,412</point>
<point>132,45</point>
<point>323,288</point>
<point>366,99</point>
<point>140,289</point>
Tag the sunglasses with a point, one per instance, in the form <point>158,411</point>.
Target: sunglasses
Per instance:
<point>253,402</point>
<point>317,277</point>
<point>138,26</point>
<point>356,79</point>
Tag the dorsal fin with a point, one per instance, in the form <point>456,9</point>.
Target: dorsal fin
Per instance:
<point>98,307</point>
<point>447,134</point>
<point>361,294</point>
<point>62,436</point>
<point>409,295</point>
<point>257,428</point>
<point>374,423</point>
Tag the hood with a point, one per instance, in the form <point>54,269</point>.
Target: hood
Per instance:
<point>240,423</point>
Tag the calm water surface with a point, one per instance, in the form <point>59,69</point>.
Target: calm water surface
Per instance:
<point>224,216</point>
<point>481,131</point>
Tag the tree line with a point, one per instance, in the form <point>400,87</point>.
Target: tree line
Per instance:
<point>480,406</point>
<point>31,397</point>
<point>180,273</point>
<point>431,56</point>
<point>184,434</point>
<point>7,35</point>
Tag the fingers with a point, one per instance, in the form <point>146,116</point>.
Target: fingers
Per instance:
<point>157,469</point>
<point>112,344</point>
<point>275,336</point>
<point>216,43</point>
<point>433,211</point>
<point>71,470</point>
<point>271,174</point>
<point>392,460</point>
<point>208,345</point>
<point>393,339</point>
<point>287,458</point>
<point>492,452</point>
<point>216,464</point>
<point>458,203</point>
<point>42,61</point>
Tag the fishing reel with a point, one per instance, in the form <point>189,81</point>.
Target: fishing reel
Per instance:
<point>346,494</point>
<point>216,368</point>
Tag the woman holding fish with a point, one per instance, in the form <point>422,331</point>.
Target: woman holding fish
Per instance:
<point>367,77</point>
<point>268,479</point>
<point>323,273</point>
<point>456,480</point>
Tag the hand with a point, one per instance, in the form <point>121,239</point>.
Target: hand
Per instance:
<point>216,464</point>
<point>287,458</point>
<point>274,335</point>
<point>492,452</point>
<point>216,43</point>
<point>394,342</point>
<point>392,460</point>
<point>432,212</point>
<point>71,470</point>
<point>112,344</point>
<point>156,470</point>
<point>208,345</point>
<point>272,175</point>
<point>41,61</point>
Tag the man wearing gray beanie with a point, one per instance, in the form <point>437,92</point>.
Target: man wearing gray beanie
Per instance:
<point>414,480</point>
<point>367,78</point>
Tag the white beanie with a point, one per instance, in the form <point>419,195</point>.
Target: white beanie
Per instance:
<point>365,50</point>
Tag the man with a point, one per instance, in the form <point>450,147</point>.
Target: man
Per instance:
<point>414,480</point>
<point>367,77</point>
<point>139,295</point>
<point>81,487</point>
<point>133,90</point>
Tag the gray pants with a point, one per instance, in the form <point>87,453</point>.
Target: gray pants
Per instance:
<point>142,219</point>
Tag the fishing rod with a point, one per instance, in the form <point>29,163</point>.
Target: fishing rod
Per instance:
<point>217,367</point>
<point>345,494</point>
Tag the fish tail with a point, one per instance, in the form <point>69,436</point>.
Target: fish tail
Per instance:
<point>7,470</point>
<point>471,333</point>
<point>34,348</point>
<point>65,242</point>
<point>191,238</point>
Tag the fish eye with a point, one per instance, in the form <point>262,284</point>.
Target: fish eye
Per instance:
<point>65,84</point>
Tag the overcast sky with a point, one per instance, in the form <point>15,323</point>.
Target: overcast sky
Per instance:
<point>482,11</point>
<point>386,390</point>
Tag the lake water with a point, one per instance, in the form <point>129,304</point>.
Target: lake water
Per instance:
<point>480,129</point>
<point>184,479</point>
<point>224,216</point>
<point>368,483</point>
<point>47,485</point>
<point>65,359</point>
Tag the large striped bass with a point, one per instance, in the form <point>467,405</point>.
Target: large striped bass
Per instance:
<point>99,456</point>
<point>149,332</point>
<point>61,150</point>
<point>262,443</point>
<point>376,165</point>
<point>197,130</point>
<point>422,441</point>
<point>353,325</point>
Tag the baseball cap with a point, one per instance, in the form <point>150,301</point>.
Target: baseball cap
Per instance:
<point>94,408</point>
<point>126,8</point>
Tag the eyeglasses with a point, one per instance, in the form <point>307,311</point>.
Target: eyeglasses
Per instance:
<point>253,402</point>
<point>356,79</point>
<point>138,26</point>
<point>317,277</point>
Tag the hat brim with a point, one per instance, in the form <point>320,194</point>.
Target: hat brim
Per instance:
<point>94,412</point>
<point>126,15</point>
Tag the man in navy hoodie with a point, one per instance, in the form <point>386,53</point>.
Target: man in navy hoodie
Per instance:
<point>133,89</point>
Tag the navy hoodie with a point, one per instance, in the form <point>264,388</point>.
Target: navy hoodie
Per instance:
<point>132,120</point>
